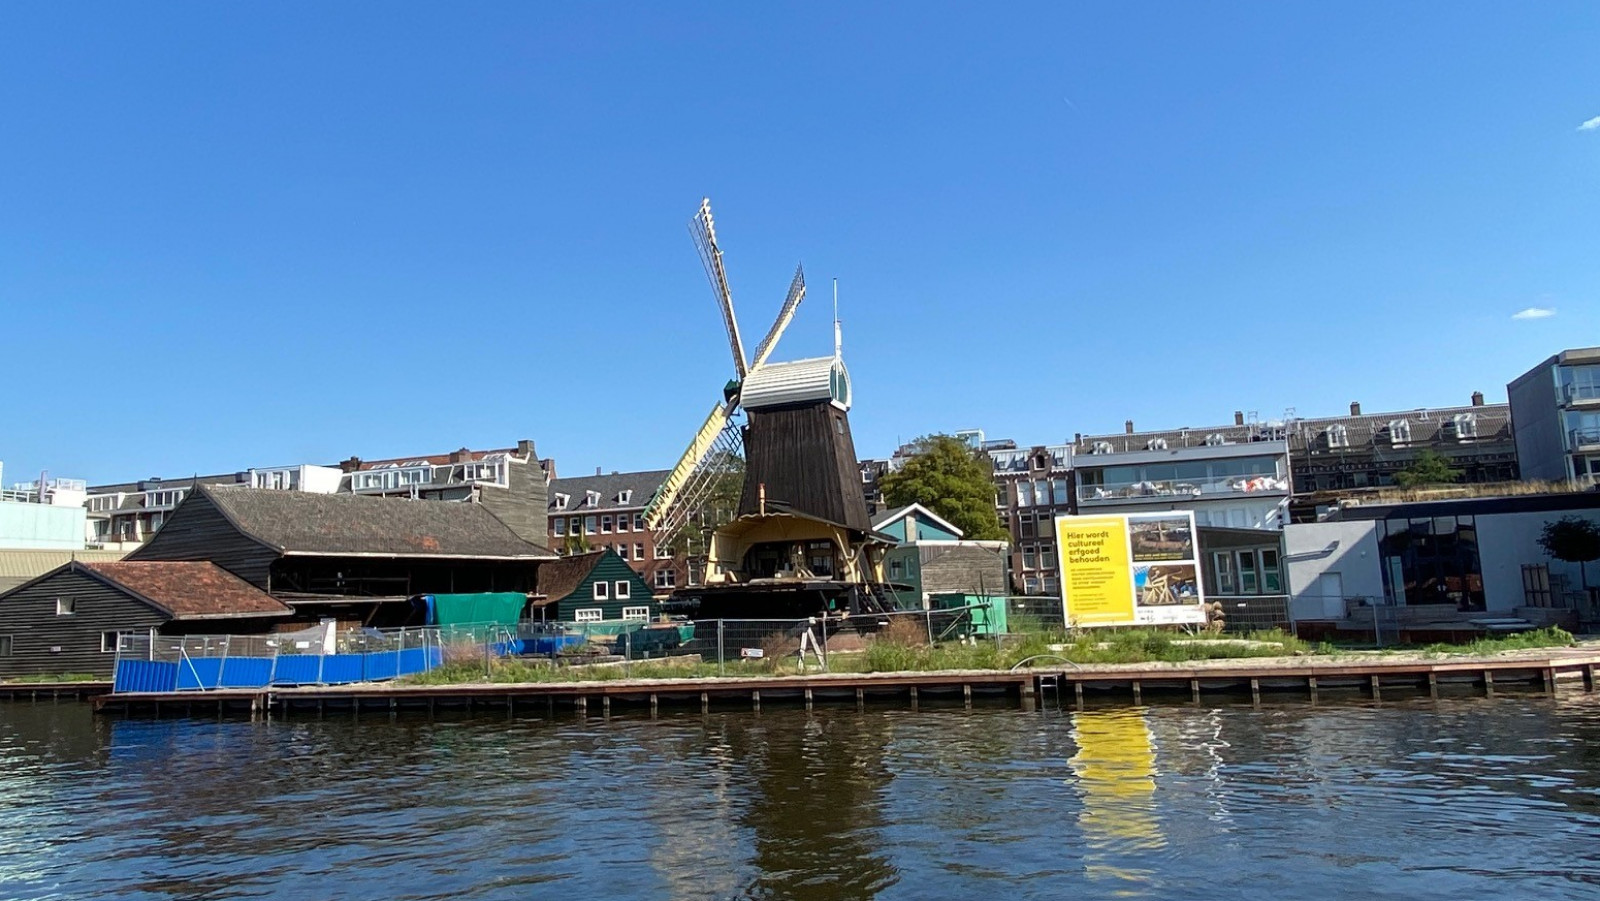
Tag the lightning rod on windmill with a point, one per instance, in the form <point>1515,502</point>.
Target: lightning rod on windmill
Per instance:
<point>838,338</point>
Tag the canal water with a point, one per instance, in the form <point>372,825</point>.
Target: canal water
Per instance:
<point>1455,799</point>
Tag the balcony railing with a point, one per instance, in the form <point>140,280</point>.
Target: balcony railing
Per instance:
<point>1179,488</point>
<point>1584,438</point>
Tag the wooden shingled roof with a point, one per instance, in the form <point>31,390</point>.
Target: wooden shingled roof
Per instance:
<point>187,589</point>
<point>559,578</point>
<point>302,523</point>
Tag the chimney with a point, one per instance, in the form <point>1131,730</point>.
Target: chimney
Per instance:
<point>525,449</point>
<point>350,465</point>
<point>1127,426</point>
<point>461,456</point>
<point>1477,398</point>
<point>1355,408</point>
<point>1077,437</point>
<point>1238,417</point>
<point>597,470</point>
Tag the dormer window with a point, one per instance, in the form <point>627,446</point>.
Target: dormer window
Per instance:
<point>1101,447</point>
<point>562,500</point>
<point>1466,425</point>
<point>592,498</point>
<point>1156,444</point>
<point>1337,436</point>
<point>625,496</point>
<point>1399,432</point>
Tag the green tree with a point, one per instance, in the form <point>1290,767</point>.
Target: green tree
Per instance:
<point>1572,539</point>
<point>952,480</point>
<point>576,543</point>
<point>1429,468</point>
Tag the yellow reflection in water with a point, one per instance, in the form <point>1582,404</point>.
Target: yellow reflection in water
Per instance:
<point>1115,765</point>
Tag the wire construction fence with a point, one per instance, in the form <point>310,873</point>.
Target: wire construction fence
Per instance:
<point>147,661</point>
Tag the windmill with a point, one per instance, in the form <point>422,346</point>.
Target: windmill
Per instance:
<point>716,454</point>
<point>793,457</point>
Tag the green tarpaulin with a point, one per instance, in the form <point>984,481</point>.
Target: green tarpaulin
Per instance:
<point>497,608</point>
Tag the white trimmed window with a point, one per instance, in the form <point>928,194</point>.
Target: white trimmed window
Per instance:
<point>663,553</point>
<point>66,606</point>
<point>638,551</point>
<point>602,591</point>
<point>588,615</point>
<point>625,496</point>
<point>666,578</point>
<point>592,498</point>
<point>605,524</point>
<point>560,524</point>
<point>623,591</point>
<point>562,501</point>
<point>588,525</point>
<point>108,642</point>
<point>638,522</point>
<point>642,613</point>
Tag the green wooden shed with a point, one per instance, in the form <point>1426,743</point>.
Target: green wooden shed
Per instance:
<point>592,587</point>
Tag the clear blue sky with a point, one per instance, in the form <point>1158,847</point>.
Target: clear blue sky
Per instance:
<point>243,235</point>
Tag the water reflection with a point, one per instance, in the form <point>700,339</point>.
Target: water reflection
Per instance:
<point>1116,767</point>
<point>1454,799</point>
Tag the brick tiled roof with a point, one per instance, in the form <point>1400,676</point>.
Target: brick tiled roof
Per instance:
<point>189,589</point>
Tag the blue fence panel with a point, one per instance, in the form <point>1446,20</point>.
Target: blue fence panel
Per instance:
<point>415,660</point>
<point>145,675</point>
<point>245,672</point>
<point>383,664</point>
<point>198,672</point>
<point>297,669</point>
<point>339,668</point>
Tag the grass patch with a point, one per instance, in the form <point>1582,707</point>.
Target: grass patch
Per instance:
<point>58,677</point>
<point>1548,637</point>
<point>903,648</point>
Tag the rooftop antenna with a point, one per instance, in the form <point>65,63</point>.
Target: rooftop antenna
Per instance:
<point>838,338</point>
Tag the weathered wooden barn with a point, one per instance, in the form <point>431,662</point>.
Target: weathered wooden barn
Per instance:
<point>67,620</point>
<point>591,587</point>
<point>348,557</point>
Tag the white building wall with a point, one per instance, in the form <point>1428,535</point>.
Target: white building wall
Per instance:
<point>41,527</point>
<point>1507,541</point>
<point>1327,562</point>
<point>320,479</point>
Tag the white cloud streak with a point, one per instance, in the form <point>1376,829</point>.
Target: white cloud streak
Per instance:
<point>1591,125</point>
<point>1534,313</point>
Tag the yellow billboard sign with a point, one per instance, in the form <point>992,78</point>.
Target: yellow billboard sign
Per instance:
<point>1134,569</point>
<point>1095,579</point>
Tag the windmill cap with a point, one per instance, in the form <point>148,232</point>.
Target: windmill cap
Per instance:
<point>799,381</point>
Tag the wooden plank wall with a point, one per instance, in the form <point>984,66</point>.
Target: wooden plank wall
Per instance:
<point>29,616</point>
<point>807,459</point>
<point>611,569</point>
<point>198,531</point>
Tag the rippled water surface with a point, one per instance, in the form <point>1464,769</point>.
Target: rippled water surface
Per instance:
<point>1457,799</point>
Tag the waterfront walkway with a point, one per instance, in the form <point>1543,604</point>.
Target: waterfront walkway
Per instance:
<point>1052,682</point>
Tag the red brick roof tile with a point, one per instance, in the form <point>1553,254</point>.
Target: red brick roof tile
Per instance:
<point>190,589</point>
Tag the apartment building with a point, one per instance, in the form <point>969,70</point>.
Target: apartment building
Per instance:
<point>1033,485</point>
<point>509,481</point>
<point>1555,418</point>
<point>588,513</point>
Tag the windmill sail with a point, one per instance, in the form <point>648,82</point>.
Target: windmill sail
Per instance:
<point>797,293</point>
<point>704,232</point>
